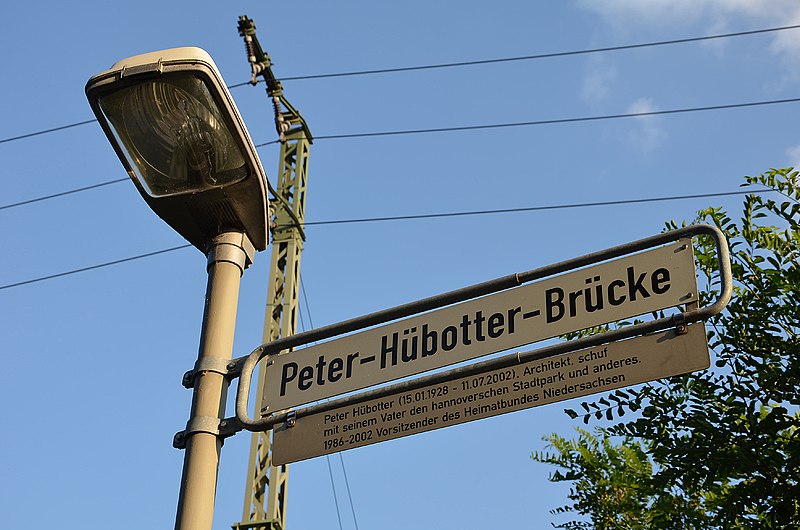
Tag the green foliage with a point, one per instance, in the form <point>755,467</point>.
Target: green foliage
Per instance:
<point>720,448</point>
<point>611,483</point>
<point>606,479</point>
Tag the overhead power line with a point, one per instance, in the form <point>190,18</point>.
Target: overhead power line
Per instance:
<point>333,486</point>
<point>349,494</point>
<point>45,131</point>
<point>556,120</point>
<point>478,62</point>
<point>341,459</point>
<point>530,208</point>
<point>63,193</point>
<point>93,267</point>
<point>305,299</point>
<point>458,129</point>
<point>407,217</point>
<point>537,56</point>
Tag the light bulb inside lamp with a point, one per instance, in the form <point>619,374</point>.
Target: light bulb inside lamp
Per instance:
<point>174,136</point>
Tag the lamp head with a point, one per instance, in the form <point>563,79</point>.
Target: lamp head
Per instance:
<point>176,129</point>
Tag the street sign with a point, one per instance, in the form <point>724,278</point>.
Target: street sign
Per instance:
<point>615,290</point>
<point>530,384</point>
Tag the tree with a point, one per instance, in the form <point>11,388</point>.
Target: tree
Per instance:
<point>719,448</point>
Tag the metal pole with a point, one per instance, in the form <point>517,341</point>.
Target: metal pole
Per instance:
<point>228,255</point>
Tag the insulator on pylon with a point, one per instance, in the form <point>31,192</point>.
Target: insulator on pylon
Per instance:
<point>251,51</point>
<point>280,125</point>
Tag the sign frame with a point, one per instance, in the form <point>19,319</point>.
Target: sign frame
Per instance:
<point>529,381</point>
<point>246,365</point>
<point>611,291</point>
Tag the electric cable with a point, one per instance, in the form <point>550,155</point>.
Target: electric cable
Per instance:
<point>63,193</point>
<point>341,458</point>
<point>532,208</point>
<point>349,495</point>
<point>45,131</point>
<point>556,120</point>
<point>302,323</point>
<point>535,56</point>
<point>308,310</point>
<point>458,129</point>
<point>327,457</point>
<point>465,63</point>
<point>93,267</point>
<point>305,299</point>
<point>333,485</point>
<point>405,217</point>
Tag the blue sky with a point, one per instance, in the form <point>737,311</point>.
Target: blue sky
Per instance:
<point>93,361</point>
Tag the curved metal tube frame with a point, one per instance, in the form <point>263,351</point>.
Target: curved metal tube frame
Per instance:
<point>248,363</point>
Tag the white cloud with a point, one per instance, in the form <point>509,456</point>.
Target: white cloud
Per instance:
<point>665,12</point>
<point>598,83</point>
<point>794,156</point>
<point>648,133</point>
<point>717,46</point>
<point>787,43</point>
<point>712,15</point>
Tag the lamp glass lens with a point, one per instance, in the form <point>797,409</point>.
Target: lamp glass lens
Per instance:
<point>174,136</point>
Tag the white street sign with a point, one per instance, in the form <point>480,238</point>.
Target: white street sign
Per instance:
<point>530,384</point>
<point>615,290</point>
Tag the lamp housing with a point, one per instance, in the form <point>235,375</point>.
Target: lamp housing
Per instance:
<point>175,127</point>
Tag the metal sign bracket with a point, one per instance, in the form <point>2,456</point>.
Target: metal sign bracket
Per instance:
<point>226,368</point>
<point>221,428</point>
<point>679,319</point>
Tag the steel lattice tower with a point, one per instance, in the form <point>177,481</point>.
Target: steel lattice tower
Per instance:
<point>266,487</point>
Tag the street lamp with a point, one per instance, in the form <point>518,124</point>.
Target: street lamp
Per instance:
<point>176,130</point>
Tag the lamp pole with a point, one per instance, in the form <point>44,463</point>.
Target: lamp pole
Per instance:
<point>176,129</point>
<point>228,255</point>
